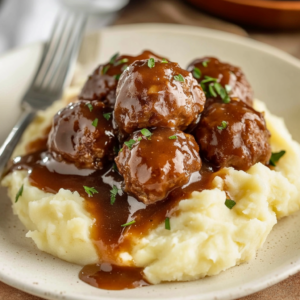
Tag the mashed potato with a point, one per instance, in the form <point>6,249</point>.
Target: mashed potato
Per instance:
<point>205,237</point>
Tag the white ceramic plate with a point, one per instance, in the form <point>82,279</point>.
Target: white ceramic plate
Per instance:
<point>275,77</point>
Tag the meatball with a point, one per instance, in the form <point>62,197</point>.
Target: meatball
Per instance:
<point>157,94</point>
<point>83,134</point>
<point>102,84</point>
<point>233,135</point>
<point>152,166</point>
<point>232,80</point>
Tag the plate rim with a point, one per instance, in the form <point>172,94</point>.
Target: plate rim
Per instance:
<point>281,273</point>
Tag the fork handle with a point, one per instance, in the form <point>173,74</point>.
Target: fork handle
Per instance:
<point>13,138</point>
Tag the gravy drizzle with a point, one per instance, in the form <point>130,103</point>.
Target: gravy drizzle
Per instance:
<point>109,237</point>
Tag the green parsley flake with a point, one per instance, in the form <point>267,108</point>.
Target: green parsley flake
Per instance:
<point>223,125</point>
<point>228,88</point>
<point>145,132</point>
<point>113,194</point>
<point>208,79</point>
<point>116,150</point>
<point>212,91</point>
<point>275,157</point>
<point>90,106</point>
<point>230,203</point>
<point>95,122</point>
<point>121,61</point>
<point>173,137</point>
<point>222,92</point>
<point>140,138</point>
<point>197,73</point>
<point>226,99</point>
<point>115,168</point>
<point>117,77</point>
<point>164,61</point>
<point>90,190</point>
<point>179,77</point>
<point>113,58</point>
<point>107,115</point>
<point>167,223</point>
<point>205,62</point>
<point>128,224</point>
<point>121,150</point>
<point>105,69</point>
<point>151,62</point>
<point>19,193</point>
<point>129,143</point>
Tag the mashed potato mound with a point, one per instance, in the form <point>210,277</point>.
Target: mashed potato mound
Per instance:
<point>205,237</point>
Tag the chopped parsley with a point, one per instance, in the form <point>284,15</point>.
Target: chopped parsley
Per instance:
<point>173,137</point>
<point>113,194</point>
<point>95,122</point>
<point>128,224</point>
<point>209,79</point>
<point>115,168</point>
<point>121,61</point>
<point>90,190</point>
<point>230,203</point>
<point>19,193</point>
<point>197,73</point>
<point>113,58</point>
<point>140,138</point>
<point>179,77</point>
<point>90,106</point>
<point>167,223</point>
<point>105,69</point>
<point>116,150</point>
<point>129,143</point>
<point>164,61</point>
<point>107,115</point>
<point>228,88</point>
<point>117,77</point>
<point>275,157</point>
<point>212,91</point>
<point>222,92</point>
<point>145,132</point>
<point>205,62</point>
<point>223,125</point>
<point>151,62</point>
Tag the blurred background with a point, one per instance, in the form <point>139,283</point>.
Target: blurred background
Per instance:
<point>274,22</point>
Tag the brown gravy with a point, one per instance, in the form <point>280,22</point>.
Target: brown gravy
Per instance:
<point>109,237</point>
<point>112,277</point>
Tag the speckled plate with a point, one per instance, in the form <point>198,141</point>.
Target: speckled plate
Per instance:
<point>274,76</point>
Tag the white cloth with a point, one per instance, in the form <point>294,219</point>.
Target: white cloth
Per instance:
<point>27,21</point>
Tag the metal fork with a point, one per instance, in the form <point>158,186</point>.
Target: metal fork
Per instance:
<point>52,75</point>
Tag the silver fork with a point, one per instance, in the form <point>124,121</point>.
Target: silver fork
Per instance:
<point>53,73</point>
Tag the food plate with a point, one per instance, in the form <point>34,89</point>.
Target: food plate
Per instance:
<point>274,77</point>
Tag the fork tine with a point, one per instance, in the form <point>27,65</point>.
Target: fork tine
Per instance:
<point>62,42</point>
<point>50,50</point>
<point>71,51</point>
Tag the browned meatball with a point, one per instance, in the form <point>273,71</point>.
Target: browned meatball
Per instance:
<point>163,95</point>
<point>102,84</point>
<point>231,78</point>
<point>153,166</point>
<point>83,134</point>
<point>233,135</point>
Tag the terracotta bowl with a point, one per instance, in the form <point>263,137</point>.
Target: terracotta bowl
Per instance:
<point>266,14</point>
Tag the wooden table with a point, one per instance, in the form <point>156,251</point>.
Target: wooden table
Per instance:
<point>177,12</point>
